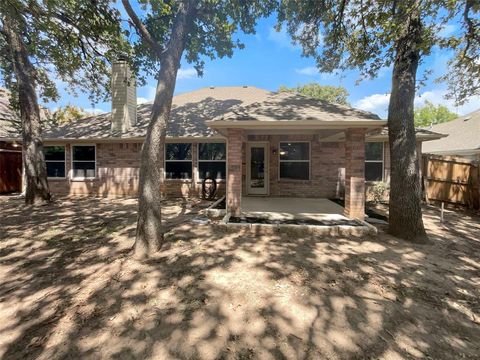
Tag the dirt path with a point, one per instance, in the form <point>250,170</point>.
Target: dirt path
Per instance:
<point>69,290</point>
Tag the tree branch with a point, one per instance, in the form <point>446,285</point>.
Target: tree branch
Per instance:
<point>142,30</point>
<point>471,29</point>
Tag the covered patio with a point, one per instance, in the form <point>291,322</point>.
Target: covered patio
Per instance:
<point>296,152</point>
<point>283,208</point>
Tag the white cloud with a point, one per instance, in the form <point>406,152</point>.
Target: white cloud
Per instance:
<point>378,103</point>
<point>281,38</point>
<point>94,111</point>
<point>309,70</point>
<point>188,73</point>
<point>142,100</point>
<point>313,71</point>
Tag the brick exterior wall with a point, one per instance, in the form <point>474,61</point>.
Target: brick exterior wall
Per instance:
<point>235,170</point>
<point>327,166</point>
<point>386,169</point>
<point>118,171</point>
<point>355,173</point>
<point>118,166</point>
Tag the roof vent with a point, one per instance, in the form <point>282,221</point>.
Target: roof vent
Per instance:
<point>467,118</point>
<point>212,87</point>
<point>245,86</point>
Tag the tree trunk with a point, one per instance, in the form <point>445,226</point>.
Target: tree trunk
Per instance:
<point>405,218</point>
<point>149,237</point>
<point>36,189</point>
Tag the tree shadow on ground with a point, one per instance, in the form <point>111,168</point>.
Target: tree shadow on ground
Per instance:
<point>70,290</point>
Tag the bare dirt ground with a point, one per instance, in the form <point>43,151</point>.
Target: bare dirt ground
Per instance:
<point>68,289</point>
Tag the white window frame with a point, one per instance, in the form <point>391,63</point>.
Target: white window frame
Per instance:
<point>284,161</point>
<point>88,161</point>
<point>377,161</point>
<point>64,161</point>
<point>165,160</point>
<point>199,160</point>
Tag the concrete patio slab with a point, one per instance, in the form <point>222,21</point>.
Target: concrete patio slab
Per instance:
<point>276,208</point>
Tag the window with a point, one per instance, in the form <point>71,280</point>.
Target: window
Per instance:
<point>295,160</point>
<point>83,161</point>
<point>55,160</point>
<point>374,161</point>
<point>178,161</point>
<point>212,160</point>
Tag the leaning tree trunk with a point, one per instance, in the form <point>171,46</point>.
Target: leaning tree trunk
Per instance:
<point>149,237</point>
<point>36,187</point>
<point>405,219</point>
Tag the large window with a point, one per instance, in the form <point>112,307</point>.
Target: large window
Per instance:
<point>295,160</point>
<point>212,160</point>
<point>55,160</point>
<point>374,161</point>
<point>83,161</point>
<point>178,161</point>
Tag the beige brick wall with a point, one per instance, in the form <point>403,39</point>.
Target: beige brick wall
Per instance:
<point>235,169</point>
<point>355,173</point>
<point>327,166</point>
<point>118,166</point>
<point>118,170</point>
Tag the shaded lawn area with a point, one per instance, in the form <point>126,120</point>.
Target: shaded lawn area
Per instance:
<point>68,289</point>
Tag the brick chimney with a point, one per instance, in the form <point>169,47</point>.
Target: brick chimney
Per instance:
<point>124,97</point>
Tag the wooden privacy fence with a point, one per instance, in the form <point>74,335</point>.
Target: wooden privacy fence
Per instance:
<point>10,171</point>
<point>452,180</point>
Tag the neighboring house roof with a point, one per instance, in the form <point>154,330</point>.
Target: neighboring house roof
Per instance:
<point>189,113</point>
<point>463,136</point>
<point>10,122</point>
<point>8,118</point>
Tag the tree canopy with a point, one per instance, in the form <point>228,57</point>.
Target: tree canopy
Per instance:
<point>361,34</point>
<point>430,114</point>
<point>333,94</point>
<point>69,43</point>
<point>212,32</point>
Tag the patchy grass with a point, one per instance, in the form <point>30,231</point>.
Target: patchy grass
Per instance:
<point>69,289</point>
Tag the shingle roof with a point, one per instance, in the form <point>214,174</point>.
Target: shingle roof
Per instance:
<point>288,106</point>
<point>189,113</point>
<point>420,134</point>
<point>463,135</point>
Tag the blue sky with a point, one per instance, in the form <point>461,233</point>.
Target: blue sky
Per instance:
<point>270,60</point>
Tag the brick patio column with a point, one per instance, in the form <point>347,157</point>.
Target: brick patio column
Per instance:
<point>355,173</point>
<point>234,170</point>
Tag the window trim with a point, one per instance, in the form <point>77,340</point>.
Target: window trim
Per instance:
<point>293,161</point>
<point>64,162</point>
<point>376,161</point>
<point>199,160</point>
<point>81,178</point>
<point>165,160</point>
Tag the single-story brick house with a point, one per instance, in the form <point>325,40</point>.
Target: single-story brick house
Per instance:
<point>254,142</point>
